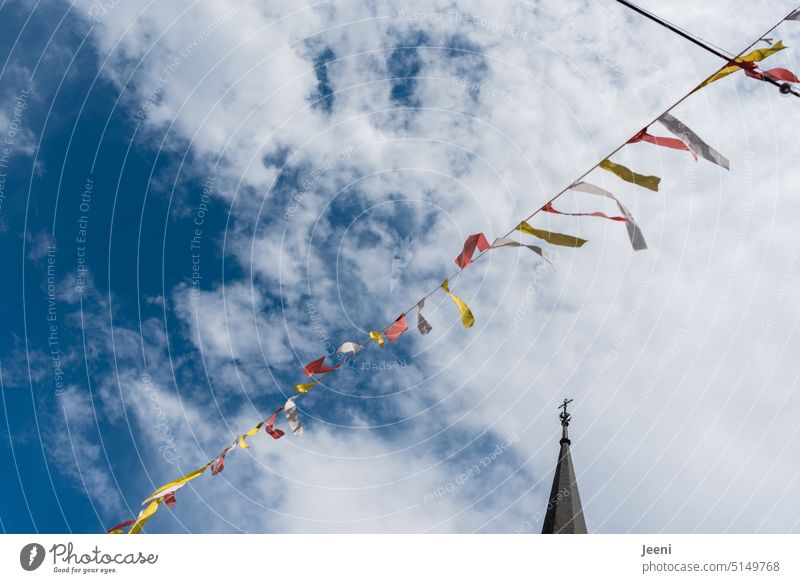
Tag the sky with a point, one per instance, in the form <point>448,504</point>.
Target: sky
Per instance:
<point>198,198</point>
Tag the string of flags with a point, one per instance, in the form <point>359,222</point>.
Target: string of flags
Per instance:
<point>684,139</point>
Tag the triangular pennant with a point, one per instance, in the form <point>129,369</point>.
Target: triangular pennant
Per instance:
<point>548,208</point>
<point>673,143</point>
<point>552,238</point>
<point>422,324</point>
<point>269,426</point>
<point>477,240</point>
<point>250,433</point>
<point>292,418</point>
<point>466,314</point>
<point>318,366</point>
<point>634,232</point>
<point>175,484</point>
<point>117,529</point>
<point>628,175</point>
<point>500,242</point>
<point>397,328</point>
<point>680,129</point>
<point>377,337</point>
<point>304,388</point>
<point>349,349</point>
<point>751,57</point>
<point>144,516</point>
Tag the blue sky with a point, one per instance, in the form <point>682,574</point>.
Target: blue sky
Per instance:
<point>320,167</point>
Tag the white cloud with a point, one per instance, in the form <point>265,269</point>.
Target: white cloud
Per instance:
<point>680,396</point>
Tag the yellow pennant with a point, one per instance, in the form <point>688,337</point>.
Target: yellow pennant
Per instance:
<point>177,483</point>
<point>466,315</point>
<point>552,238</point>
<point>629,175</point>
<point>307,386</point>
<point>751,57</point>
<point>144,516</point>
<point>377,337</point>
<point>250,433</point>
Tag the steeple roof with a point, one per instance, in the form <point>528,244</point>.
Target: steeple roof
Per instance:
<point>564,511</point>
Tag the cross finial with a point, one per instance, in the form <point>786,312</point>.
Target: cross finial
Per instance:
<point>564,416</point>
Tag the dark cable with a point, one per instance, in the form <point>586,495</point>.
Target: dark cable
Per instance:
<point>785,88</point>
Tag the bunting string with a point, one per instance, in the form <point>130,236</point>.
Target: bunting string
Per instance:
<point>685,139</point>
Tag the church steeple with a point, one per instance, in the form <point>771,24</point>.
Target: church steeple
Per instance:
<point>564,511</point>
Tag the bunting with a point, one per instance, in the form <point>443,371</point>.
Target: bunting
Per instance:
<point>422,324</point>
<point>117,529</point>
<point>466,314</point>
<point>777,74</point>
<point>218,463</point>
<point>552,238</point>
<point>794,15</point>
<point>628,175</point>
<point>305,387</point>
<point>477,240</point>
<point>673,143</point>
<point>397,329</point>
<point>685,139</point>
<point>678,128</point>
<point>318,366</point>
<point>751,57</point>
<point>349,349</point>
<point>292,418</point>
<point>179,483</point>
<point>250,433</point>
<point>144,516</point>
<point>269,427</point>
<point>634,232</point>
<point>500,242</point>
<point>377,337</point>
<point>548,208</point>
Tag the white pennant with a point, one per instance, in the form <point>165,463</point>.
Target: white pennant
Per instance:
<point>349,348</point>
<point>422,324</point>
<point>698,146</point>
<point>501,242</point>
<point>634,232</point>
<point>292,418</point>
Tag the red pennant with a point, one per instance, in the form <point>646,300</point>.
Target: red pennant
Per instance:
<point>269,427</point>
<point>317,366</point>
<point>673,143</point>
<point>120,525</point>
<point>169,499</point>
<point>548,208</point>
<point>477,240</point>
<point>399,326</point>
<point>780,74</point>
<point>218,465</point>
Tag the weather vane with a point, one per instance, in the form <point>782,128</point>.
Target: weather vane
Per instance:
<point>564,416</point>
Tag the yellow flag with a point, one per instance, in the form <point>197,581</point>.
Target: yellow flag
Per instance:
<point>466,315</point>
<point>377,337</point>
<point>177,483</point>
<point>552,238</point>
<point>250,433</point>
<point>307,386</point>
<point>629,175</point>
<point>761,54</point>
<point>144,516</point>
<point>751,57</point>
